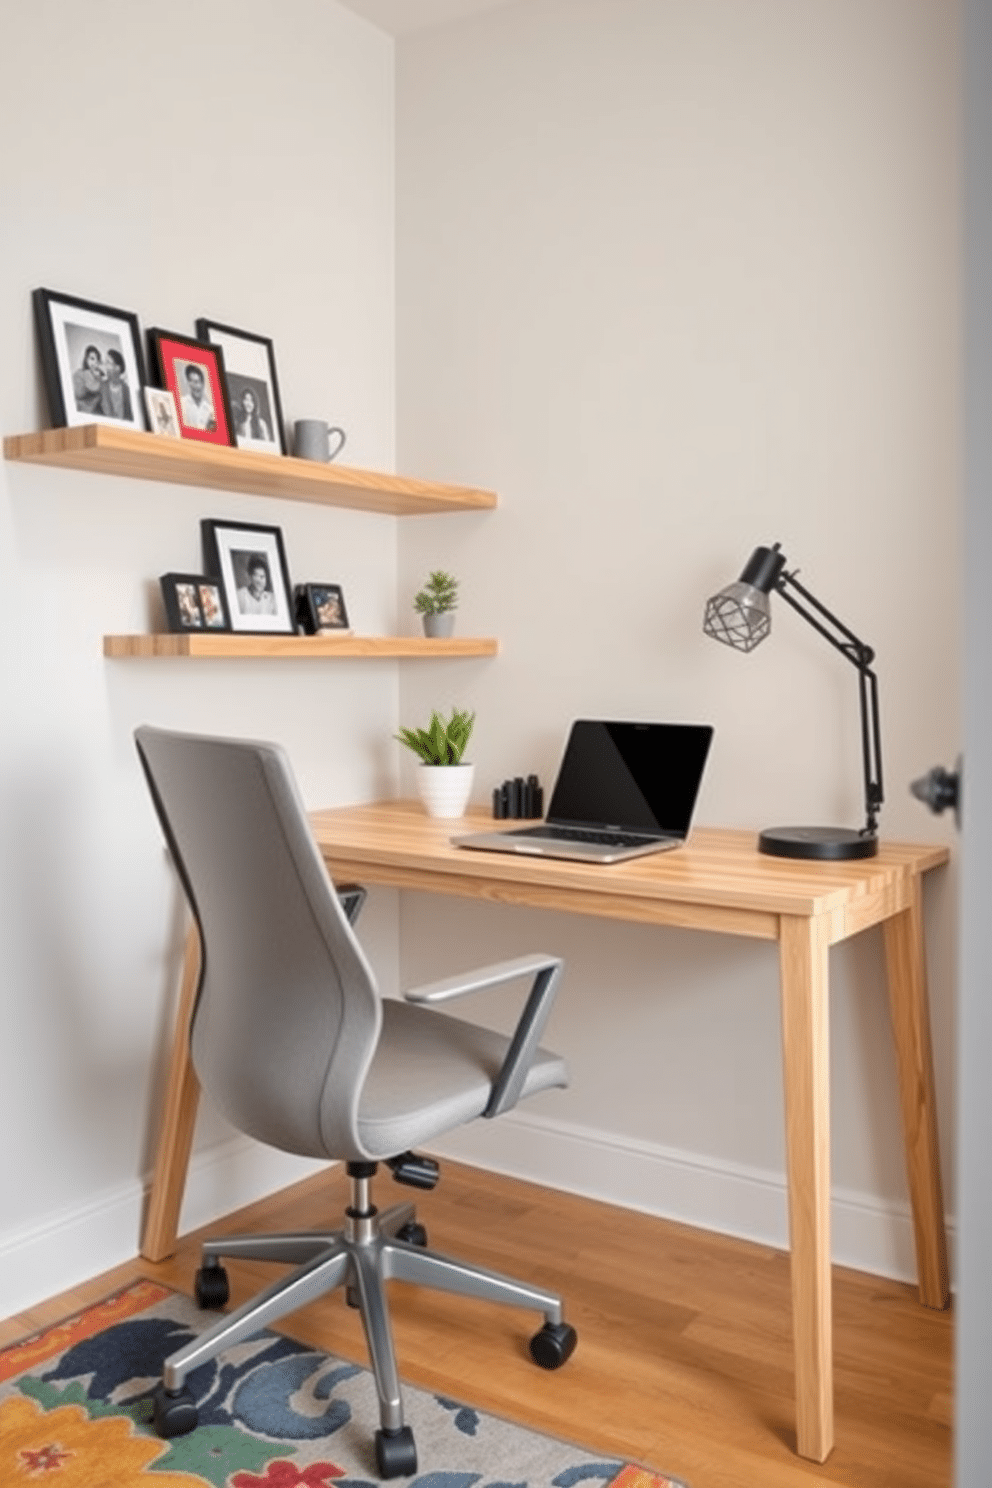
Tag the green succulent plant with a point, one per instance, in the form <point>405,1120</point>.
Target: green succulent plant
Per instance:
<point>444,741</point>
<point>438,595</point>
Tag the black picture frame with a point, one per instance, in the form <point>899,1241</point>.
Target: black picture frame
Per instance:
<point>250,365</point>
<point>201,400</point>
<point>194,602</point>
<point>235,552</point>
<point>321,610</point>
<point>91,361</point>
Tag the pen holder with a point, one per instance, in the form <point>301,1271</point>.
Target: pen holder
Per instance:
<point>518,798</point>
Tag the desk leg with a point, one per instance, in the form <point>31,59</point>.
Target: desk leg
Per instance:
<point>182,1096</point>
<point>909,1006</point>
<point>803,956</point>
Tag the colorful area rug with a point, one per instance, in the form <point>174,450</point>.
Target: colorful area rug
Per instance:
<point>75,1411</point>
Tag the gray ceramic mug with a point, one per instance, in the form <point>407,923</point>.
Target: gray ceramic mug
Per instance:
<point>315,439</point>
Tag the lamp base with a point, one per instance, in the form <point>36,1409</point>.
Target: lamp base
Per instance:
<point>834,843</point>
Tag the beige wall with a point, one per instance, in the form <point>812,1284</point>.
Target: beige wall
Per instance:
<point>233,161</point>
<point>677,279</point>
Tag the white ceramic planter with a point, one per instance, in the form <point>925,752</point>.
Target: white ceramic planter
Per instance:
<point>445,789</point>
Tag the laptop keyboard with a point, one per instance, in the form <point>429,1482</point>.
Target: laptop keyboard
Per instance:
<point>585,834</point>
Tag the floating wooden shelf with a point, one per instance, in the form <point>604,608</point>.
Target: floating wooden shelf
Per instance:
<point>229,645</point>
<point>109,451</point>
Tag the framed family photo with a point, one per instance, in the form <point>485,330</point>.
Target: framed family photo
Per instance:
<point>250,367</point>
<point>250,562</point>
<point>91,361</point>
<point>193,602</point>
<point>320,609</point>
<point>193,372</point>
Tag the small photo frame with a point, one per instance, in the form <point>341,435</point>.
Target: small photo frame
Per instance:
<point>252,386</point>
<point>320,609</point>
<point>193,602</point>
<point>250,562</point>
<point>194,373</point>
<point>91,361</point>
<point>162,416</point>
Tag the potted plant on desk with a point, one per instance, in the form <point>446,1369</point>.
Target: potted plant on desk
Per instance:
<point>436,602</point>
<point>444,781</point>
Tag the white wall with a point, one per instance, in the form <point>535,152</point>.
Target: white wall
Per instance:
<point>233,161</point>
<point>676,279</point>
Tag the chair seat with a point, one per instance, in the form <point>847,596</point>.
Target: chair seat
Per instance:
<point>431,1073</point>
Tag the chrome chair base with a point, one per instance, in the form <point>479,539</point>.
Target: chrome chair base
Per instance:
<point>362,1256</point>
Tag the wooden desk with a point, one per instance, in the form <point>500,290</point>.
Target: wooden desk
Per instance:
<point>718,882</point>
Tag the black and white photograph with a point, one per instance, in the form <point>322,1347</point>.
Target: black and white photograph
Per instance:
<point>320,609</point>
<point>250,561</point>
<point>252,385</point>
<point>193,602</point>
<point>91,361</point>
<point>162,416</point>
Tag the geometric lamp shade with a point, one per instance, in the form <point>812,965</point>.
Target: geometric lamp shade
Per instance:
<point>739,615</point>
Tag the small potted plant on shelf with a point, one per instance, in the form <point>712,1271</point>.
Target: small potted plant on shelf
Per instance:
<point>437,602</point>
<point>444,781</point>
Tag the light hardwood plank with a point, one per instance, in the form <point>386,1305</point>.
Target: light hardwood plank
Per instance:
<point>229,646</point>
<point>910,1011</point>
<point>128,452</point>
<point>175,1139</point>
<point>685,1345</point>
<point>806,1046</point>
<point>717,869</point>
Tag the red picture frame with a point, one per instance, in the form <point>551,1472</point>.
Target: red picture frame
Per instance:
<point>193,371</point>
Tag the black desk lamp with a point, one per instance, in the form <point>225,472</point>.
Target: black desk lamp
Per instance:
<point>740,616</point>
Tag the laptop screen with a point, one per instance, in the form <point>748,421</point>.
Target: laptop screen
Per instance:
<point>641,777</point>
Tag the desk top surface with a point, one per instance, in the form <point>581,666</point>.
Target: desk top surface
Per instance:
<point>395,842</point>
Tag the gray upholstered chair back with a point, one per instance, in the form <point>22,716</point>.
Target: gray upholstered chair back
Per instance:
<point>288,1013</point>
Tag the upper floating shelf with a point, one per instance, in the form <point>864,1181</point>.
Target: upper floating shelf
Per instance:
<point>109,451</point>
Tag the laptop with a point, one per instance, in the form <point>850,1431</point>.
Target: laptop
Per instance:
<point>623,790</point>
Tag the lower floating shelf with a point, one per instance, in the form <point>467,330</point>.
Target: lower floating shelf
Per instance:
<point>229,645</point>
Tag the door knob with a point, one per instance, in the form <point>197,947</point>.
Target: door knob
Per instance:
<point>940,789</point>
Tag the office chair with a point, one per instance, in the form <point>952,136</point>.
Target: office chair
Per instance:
<point>293,1043</point>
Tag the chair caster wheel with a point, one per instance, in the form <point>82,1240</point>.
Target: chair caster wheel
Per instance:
<point>210,1288</point>
<point>413,1233</point>
<point>396,1453</point>
<point>173,1414</point>
<point>553,1345</point>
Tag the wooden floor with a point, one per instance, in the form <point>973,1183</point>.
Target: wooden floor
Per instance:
<point>684,1360</point>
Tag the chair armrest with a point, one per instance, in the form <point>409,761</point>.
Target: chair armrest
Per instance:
<point>545,971</point>
<point>481,977</point>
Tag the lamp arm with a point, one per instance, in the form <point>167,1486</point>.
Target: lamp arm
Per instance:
<point>847,643</point>
<point>860,656</point>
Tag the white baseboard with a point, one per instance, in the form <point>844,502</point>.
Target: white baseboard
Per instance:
<point>869,1234</point>
<point>75,1244</point>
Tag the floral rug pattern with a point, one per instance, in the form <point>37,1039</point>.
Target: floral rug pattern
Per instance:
<point>75,1412</point>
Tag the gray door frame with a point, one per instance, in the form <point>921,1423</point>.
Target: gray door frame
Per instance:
<point>973,1433</point>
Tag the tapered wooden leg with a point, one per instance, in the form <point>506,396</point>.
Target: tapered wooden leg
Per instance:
<point>803,953</point>
<point>175,1140</point>
<point>909,1006</point>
